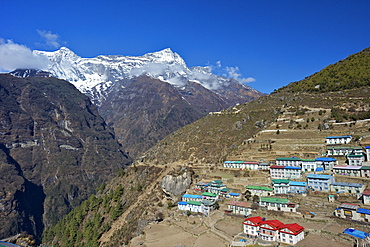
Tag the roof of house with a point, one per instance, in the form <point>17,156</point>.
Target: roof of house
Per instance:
<point>365,168</point>
<point>296,183</point>
<point>234,162</point>
<point>293,167</point>
<point>240,204</point>
<point>342,147</point>
<point>252,187</point>
<point>295,228</point>
<point>308,159</point>
<point>363,211</point>
<point>336,137</point>
<point>289,159</point>
<point>272,223</point>
<point>277,167</point>
<point>355,156</point>
<point>349,206</point>
<point>356,233</point>
<point>325,159</point>
<point>319,169</point>
<point>347,184</point>
<point>182,203</point>
<point>225,189</point>
<point>251,162</point>
<point>274,200</point>
<point>319,176</point>
<point>254,220</point>
<point>234,194</point>
<point>280,181</point>
<point>192,196</point>
<point>194,203</point>
<point>347,167</point>
<point>209,194</point>
<point>366,192</point>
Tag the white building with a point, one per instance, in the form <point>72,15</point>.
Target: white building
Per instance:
<point>291,233</point>
<point>281,186</point>
<point>319,182</point>
<point>355,159</point>
<point>294,161</point>
<point>278,204</point>
<point>308,165</point>
<point>347,188</point>
<point>333,140</point>
<point>243,208</point>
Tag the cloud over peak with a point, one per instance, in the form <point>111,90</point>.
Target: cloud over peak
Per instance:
<point>15,56</point>
<point>51,40</point>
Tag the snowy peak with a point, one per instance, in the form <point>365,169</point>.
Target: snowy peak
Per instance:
<point>165,56</point>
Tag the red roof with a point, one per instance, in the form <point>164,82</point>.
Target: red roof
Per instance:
<point>279,167</point>
<point>272,223</point>
<point>366,192</point>
<point>295,228</point>
<point>255,220</point>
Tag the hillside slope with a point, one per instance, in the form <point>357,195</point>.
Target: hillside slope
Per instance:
<point>55,149</point>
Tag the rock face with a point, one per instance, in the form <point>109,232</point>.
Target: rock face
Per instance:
<point>175,186</point>
<point>55,149</point>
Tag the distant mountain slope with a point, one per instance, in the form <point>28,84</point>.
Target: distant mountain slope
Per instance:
<point>55,149</point>
<point>143,111</point>
<point>352,72</point>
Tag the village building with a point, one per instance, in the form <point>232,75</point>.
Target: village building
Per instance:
<point>251,226</point>
<point>343,151</point>
<point>260,190</point>
<point>278,204</point>
<point>191,197</point>
<point>319,182</point>
<point>273,230</point>
<point>293,172</point>
<point>326,163</point>
<point>264,166</point>
<point>355,159</point>
<point>210,196</point>
<point>269,230</point>
<point>365,171</point>
<point>204,207</point>
<point>277,172</point>
<point>366,197</point>
<point>281,186</point>
<point>352,212</point>
<point>243,208</point>
<point>289,162</point>
<point>334,140</point>
<point>367,151</point>
<point>347,188</point>
<point>297,187</point>
<point>353,171</point>
<point>308,165</point>
<point>291,233</point>
<point>215,186</point>
<point>249,165</point>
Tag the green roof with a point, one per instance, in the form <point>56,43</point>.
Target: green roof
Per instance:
<point>194,203</point>
<point>225,189</point>
<point>280,181</point>
<point>274,200</point>
<point>365,168</point>
<point>252,187</point>
<point>355,155</point>
<point>292,159</point>
<point>217,181</point>
<point>209,194</point>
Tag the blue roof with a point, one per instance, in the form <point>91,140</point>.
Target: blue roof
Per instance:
<point>356,233</point>
<point>234,194</point>
<point>363,211</point>
<point>295,183</point>
<point>367,147</point>
<point>293,167</point>
<point>319,176</point>
<point>192,196</point>
<point>335,137</point>
<point>182,203</point>
<point>325,159</point>
<point>348,184</point>
<point>319,169</point>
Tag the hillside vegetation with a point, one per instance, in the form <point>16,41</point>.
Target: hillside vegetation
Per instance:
<point>352,72</point>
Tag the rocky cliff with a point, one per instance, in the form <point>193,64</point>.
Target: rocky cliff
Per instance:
<point>55,149</point>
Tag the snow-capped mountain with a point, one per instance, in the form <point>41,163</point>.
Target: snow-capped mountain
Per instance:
<point>95,76</point>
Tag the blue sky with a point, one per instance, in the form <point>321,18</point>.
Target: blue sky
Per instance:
<point>275,42</point>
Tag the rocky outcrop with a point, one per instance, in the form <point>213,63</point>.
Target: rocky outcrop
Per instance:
<point>174,186</point>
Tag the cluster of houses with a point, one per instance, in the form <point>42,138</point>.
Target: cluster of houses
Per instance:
<point>294,167</point>
<point>273,230</point>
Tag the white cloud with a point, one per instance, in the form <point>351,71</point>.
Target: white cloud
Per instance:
<point>233,72</point>
<point>14,56</point>
<point>51,40</point>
